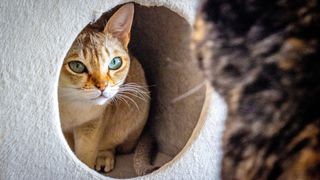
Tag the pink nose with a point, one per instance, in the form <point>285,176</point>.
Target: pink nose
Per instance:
<point>101,85</point>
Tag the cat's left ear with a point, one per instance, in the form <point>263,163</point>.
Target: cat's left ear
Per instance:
<point>119,25</point>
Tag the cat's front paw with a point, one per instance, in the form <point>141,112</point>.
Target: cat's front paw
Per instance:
<point>105,161</point>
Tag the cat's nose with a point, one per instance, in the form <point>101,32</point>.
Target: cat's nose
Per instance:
<point>101,86</point>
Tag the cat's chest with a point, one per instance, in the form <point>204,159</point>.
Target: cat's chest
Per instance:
<point>75,114</point>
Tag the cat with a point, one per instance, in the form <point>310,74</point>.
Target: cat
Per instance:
<point>263,58</point>
<point>103,95</point>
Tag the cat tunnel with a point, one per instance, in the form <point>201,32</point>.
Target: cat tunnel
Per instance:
<point>186,115</point>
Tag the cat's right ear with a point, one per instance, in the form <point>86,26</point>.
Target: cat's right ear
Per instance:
<point>119,25</point>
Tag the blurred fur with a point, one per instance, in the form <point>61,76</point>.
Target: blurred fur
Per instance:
<point>263,57</point>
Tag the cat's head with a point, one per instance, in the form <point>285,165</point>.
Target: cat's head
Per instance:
<point>97,64</point>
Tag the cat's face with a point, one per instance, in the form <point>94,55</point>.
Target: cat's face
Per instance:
<point>98,62</point>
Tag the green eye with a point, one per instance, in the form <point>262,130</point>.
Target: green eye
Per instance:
<point>115,63</point>
<point>77,67</point>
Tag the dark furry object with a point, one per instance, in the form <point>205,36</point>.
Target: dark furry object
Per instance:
<point>264,58</point>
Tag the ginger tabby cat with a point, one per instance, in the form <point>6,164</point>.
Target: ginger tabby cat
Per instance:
<point>103,98</point>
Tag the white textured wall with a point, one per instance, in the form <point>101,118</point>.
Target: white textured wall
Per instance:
<point>34,37</point>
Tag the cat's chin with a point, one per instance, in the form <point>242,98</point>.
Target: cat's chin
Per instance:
<point>101,100</point>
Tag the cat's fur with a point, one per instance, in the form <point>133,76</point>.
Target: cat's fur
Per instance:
<point>263,57</point>
<point>103,110</point>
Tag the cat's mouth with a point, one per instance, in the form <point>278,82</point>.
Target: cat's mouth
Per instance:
<point>100,99</point>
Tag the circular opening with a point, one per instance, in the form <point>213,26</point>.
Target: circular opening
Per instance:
<point>160,40</point>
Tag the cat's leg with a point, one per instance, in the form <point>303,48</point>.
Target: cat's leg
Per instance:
<point>87,138</point>
<point>130,143</point>
<point>105,159</point>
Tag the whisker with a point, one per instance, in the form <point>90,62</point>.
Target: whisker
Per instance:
<point>122,99</point>
<point>143,97</point>
<point>135,95</point>
<point>135,85</point>
<point>136,89</point>
<point>150,85</point>
<point>143,93</point>
<point>114,101</point>
<point>125,96</point>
